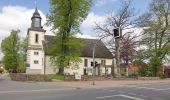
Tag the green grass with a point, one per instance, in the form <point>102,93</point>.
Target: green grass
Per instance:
<point>58,77</point>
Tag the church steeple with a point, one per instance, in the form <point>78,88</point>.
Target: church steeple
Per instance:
<point>36,19</point>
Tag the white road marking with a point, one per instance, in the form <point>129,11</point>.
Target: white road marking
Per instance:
<point>40,90</point>
<point>126,96</point>
<point>130,97</point>
<point>107,96</point>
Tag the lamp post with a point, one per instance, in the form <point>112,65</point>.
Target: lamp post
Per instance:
<point>93,73</point>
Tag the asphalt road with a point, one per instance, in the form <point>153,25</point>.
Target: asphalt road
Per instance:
<point>10,90</point>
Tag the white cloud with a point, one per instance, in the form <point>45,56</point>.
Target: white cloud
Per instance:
<point>88,25</point>
<point>16,17</point>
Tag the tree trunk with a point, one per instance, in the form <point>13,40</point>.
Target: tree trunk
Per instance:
<point>61,71</point>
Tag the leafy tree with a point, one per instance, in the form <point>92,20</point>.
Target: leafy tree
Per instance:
<point>156,37</point>
<point>10,48</point>
<point>14,50</point>
<point>65,18</point>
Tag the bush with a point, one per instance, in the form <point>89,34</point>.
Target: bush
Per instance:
<point>133,75</point>
<point>57,77</point>
<point>142,71</point>
<point>162,76</point>
<point>1,70</point>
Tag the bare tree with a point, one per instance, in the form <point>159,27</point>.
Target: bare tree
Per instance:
<point>121,19</point>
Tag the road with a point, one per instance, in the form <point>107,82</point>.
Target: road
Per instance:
<point>10,90</point>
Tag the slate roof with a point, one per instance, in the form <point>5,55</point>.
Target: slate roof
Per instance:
<point>101,50</point>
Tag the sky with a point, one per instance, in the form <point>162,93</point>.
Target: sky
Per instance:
<point>16,14</point>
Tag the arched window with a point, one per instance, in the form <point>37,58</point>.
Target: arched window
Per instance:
<point>36,38</point>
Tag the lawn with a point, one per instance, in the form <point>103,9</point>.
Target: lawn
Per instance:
<point>58,77</point>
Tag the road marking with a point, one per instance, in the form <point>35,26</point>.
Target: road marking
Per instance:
<point>40,90</point>
<point>107,96</point>
<point>130,97</point>
<point>126,96</point>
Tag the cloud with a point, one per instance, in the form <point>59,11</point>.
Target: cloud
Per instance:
<point>88,25</point>
<point>16,17</point>
<point>100,3</point>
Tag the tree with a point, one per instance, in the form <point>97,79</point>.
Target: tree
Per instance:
<point>156,37</point>
<point>121,19</point>
<point>10,48</point>
<point>22,55</point>
<point>65,18</point>
<point>127,48</point>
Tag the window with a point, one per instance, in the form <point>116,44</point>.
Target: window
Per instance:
<point>36,38</point>
<point>36,53</point>
<point>103,62</point>
<point>85,62</point>
<point>35,61</point>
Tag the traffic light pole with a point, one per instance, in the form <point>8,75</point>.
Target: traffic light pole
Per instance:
<point>93,74</point>
<point>117,32</point>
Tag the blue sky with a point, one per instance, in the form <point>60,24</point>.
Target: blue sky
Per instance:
<point>16,14</point>
<point>99,6</point>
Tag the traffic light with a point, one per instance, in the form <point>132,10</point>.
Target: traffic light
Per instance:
<point>96,64</point>
<point>116,32</point>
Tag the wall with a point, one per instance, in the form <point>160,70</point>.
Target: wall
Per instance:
<point>71,70</point>
<point>35,47</point>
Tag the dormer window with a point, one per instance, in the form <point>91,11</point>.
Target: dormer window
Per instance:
<point>36,38</point>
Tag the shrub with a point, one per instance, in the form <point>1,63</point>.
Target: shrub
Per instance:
<point>1,70</point>
<point>162,76</point>
<point>142,71</point>
<point>133,75</point>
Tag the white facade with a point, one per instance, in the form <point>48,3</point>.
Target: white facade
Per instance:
<point>79,68</point>
<point>35,52</point>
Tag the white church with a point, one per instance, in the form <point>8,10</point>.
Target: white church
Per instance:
<point>38,58</point>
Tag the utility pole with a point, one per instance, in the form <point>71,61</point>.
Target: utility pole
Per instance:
<point>93,73</point>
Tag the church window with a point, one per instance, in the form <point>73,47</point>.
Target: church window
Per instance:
<point>35,61</point>
<point>36,53</point>
<point>36,38</point>
<point>85,62</point>
<point>103,62</point>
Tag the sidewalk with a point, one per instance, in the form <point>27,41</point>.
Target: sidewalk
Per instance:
<point>102,84</point>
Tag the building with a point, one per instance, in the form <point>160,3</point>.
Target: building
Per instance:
<point>38,57</point>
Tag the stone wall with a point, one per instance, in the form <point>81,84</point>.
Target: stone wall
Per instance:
<point>30,77</point>
<point>86,78</point>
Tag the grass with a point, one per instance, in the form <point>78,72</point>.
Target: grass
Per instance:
<point>58,77</point>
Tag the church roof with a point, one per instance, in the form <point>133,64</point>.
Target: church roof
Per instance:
<point>36,14</point>
<point>101,51</point>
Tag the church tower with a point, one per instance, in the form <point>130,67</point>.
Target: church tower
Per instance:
<point>35,51</point>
